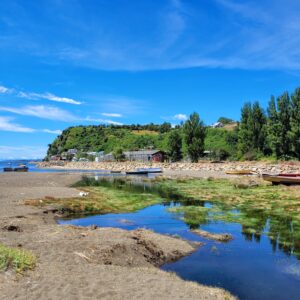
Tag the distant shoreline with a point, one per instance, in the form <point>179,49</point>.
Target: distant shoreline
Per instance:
<point>200,169</point>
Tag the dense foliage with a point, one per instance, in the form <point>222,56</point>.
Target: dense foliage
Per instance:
<point>274,133</point>
<point>194,135</point>
<point>175,146</point>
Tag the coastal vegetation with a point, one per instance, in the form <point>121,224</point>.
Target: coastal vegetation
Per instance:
<point>258,207</point>
<point>17,259</point>
<point>272,133</point>
<point>103,197</point>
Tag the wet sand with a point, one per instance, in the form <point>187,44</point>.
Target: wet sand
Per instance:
<point>85,263</point>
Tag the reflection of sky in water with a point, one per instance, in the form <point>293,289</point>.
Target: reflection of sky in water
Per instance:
<point>249,269</point>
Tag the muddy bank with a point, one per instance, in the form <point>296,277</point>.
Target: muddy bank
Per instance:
<point>85,263</point>
<point>219,237</point>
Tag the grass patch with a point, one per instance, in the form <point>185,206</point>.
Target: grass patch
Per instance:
<point>144,132</point>
<point>16,259</point>
<point>259,209</point>
<point>101,200</point>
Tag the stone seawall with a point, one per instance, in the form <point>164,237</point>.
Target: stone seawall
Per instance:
<point>259,167</point>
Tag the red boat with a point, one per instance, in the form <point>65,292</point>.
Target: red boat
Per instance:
<point>287,179</point>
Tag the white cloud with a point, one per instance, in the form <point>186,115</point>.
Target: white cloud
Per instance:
<point>42,111</point>
<point>37,96</point>
<point>23,152</point>
<point>54,114</point>
<point>6,124</point>
<point>113,115</point>
<point>101,121</point>
<point>48,96</point>
<point>4,90</point>
<point>180,117</point>
<point>186,34</point>
<point>52,131</point>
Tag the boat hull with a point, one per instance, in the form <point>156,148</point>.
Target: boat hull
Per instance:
<point>286,179</point>
<point>239,172</point>
<point>150,170</point>
<point>22,169</point>
<point>137,173</point>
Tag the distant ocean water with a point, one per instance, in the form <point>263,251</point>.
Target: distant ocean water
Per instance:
<point>32,167</point>
<point>16,162</point>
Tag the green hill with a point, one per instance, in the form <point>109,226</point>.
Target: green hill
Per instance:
<point>133,137</point>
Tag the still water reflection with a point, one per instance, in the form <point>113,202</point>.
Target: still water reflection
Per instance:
<point>261,262</point>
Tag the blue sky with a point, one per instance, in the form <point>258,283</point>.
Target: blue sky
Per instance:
<point>71,62</point>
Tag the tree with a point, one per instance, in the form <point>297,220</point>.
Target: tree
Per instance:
<point>225,120</point>
<point>165,127</point>
<point>259,124</point>
<point>273,127</point>
<point>174,145</point>
<point>284,115</point>
<point>252,130</point>
<point>118,154</point>
<point>245,135</point>
<point>194,135</point>
<point>295,123</point>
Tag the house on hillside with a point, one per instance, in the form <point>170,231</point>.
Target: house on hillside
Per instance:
<point>140,155</point>
<point>217,125</point>
<point>55,157</point>
<point>72,151</point>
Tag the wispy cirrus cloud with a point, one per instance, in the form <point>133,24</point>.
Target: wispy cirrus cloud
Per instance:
<point>42,111</point>
<point>5,90</point>
<point>178,34</point>
<point>48,96</point>
<point>53,113</point>
<point>101,121</point>
<point>113,115</point>
<point>6,124</point>
<point>38,96</point>
<point>58,131</point>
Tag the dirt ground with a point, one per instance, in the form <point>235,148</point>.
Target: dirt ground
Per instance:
<point>85,263</point>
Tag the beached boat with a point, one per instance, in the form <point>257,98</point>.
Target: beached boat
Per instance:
<point>136,172</point>
<point>150,170</point>
<point>287,179</point>
<point>239,172</point>
<point>8,169</point>
<point>21,169</point>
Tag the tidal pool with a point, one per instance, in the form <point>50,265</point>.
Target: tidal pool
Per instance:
<point>257,264</point>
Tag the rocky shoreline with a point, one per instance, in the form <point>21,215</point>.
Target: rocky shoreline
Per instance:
<point>202,166</point>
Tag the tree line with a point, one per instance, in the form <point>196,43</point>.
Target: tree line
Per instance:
<point>274,132</point>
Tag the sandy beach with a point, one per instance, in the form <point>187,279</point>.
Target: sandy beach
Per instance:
<point>85,263</point>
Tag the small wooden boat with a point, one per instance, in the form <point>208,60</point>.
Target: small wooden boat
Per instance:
<point>287,179</point>
<point>150,170</point>
<point>8,169</point>
<point>115,172</point>
<point>239,172</point>
<point>21,169</point>
<point>136,172</point>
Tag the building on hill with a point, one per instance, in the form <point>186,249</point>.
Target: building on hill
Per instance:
<point>140,155</point>
<point>217,125</point>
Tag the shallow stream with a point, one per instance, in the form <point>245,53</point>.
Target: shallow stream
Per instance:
<point>251,266</point>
